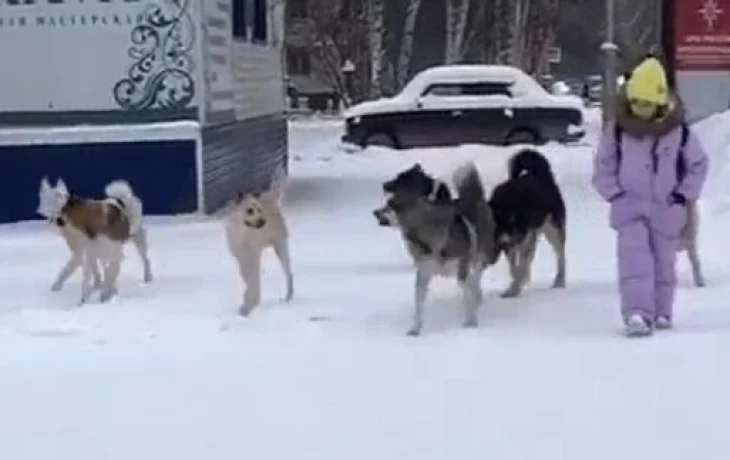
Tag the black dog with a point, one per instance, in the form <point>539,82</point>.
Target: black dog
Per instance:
<point>527,204</point>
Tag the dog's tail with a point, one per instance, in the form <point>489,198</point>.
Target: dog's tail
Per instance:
<point>122,191</point>
<point>529,161</point>
<point>468,183</point>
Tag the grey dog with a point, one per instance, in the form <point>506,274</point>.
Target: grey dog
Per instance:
<point>447,237</point>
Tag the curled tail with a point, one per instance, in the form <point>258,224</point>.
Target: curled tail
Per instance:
<point>531,162</point>
<point>122,191</point>
<point>469,186</point>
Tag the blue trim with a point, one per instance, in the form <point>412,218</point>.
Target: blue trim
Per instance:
<point>241,156</point>
<point>162,173</point>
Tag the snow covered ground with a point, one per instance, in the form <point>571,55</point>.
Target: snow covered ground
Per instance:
<point>168,371</point>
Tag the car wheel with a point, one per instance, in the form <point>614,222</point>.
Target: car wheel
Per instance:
<point>381,139</point>
<point>522,136</point>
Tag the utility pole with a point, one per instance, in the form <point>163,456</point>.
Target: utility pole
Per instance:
<point>610,51</point>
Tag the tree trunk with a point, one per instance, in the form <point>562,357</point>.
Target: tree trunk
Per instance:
<point>406,43</point>
<point>377,50</point>
<point>457,12</point>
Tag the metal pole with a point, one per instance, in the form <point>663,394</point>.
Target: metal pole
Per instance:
<point>610,50</point>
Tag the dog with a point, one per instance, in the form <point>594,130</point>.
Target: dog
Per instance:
<point>688,241</point>
<point>417,181</point>
<point>95,232</point>
<point>256,223</point>
<point>529,203</point>
<point>445,236</point>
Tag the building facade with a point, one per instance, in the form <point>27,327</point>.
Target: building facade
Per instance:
<point>183,98</point>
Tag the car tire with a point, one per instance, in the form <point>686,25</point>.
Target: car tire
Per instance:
<point>522,136</point>
<point>380,139</point>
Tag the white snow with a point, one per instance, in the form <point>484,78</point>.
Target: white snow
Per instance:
<point>526,92</point>
<point>169,370</point>
<point>168,130</point>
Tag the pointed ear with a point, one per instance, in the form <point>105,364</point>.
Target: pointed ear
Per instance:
<point>442,194</point>
<point>61,186</point>
<point>256,195</point>
<point>417,167</point>
<point>239,197</point>
<point>45,185</point>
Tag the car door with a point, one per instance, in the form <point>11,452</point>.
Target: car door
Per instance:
<point>433,119</point>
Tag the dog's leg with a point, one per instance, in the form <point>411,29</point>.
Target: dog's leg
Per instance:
<point>524,257</point>
<point>423,279</point>
<point>89,266</point>
<point>471,291</point>
<point>281,249</point>
<point>556,238</point>
<point>694,260</point>
<point>73,263</point>
<point>140,243</point>
<point>249,263</point>
<point>113,257</point>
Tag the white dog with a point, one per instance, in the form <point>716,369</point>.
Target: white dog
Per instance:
<point>255,224</point>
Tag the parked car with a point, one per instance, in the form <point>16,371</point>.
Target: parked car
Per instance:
<point>450,105</point>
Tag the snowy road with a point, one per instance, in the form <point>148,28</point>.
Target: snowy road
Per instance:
<point>169,370</point>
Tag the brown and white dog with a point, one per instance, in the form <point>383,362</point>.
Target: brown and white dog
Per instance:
<point>95,232</point>
<point>256,223</point>
<point>688,242</point>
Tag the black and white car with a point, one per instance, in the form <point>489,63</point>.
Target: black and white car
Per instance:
<point>458,104</point>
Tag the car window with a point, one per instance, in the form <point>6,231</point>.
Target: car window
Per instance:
<point>468,89</point>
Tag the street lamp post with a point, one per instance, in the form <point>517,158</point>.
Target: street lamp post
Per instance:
<point>348,69</point>
<point>610,51</point>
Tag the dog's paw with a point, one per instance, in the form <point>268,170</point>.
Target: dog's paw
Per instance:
<point>289,295</point>
<point>55,287</point>
<point>558,284</point>
<point>510,293</point>
<point>471,323</point>
<point>413,332</point>
<point>107,295</point>
<point>147,278</point>
<point>245,310</point>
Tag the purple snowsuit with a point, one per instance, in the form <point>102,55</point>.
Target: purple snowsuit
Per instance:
<point>644,209</point>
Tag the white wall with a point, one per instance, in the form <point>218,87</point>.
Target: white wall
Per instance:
<point>704,92</point>
<point>243,80</point>
<point>79,56</point>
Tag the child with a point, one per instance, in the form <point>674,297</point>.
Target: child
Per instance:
<point>648,166</point>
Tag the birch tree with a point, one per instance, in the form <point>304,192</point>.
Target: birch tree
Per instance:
<point>376,35</point>
<point>457,13</point>
<point>405,50</point>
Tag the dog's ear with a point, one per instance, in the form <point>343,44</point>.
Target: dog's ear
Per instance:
<point>61,186</point>
<point>442,195</point>
<point>256,195</point>
<point>239,197</point>
<point>45,186</point>
<point>417,167</point>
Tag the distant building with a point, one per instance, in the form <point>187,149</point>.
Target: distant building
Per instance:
<point>184,99</point>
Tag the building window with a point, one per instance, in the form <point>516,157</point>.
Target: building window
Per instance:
<point>297,8</point>
<point>260,23</point>
<point>239,19</point>
<point>297,61</point>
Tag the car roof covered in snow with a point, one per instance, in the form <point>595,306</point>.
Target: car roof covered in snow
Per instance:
<point>472,73</point>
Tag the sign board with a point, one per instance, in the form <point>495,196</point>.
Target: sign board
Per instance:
<point>75,56</point>
<point>702,34</point>
<point>555,55</point>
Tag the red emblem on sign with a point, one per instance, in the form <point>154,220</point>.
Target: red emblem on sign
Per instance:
<point>702,34</point>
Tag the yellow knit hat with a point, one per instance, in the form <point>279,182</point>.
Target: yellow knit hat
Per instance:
<point>648,83</point>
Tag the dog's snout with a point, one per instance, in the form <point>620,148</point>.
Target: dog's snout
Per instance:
<point>388,187</point>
